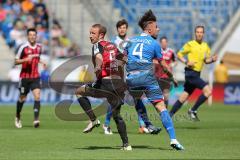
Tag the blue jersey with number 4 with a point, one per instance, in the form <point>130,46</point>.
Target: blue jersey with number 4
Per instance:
<point>141,51</point>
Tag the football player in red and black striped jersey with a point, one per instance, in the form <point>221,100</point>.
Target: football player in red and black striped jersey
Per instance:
<point>106,59</point>
<point>29,57</point>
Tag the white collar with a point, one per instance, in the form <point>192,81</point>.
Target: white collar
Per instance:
<point>118,37</point>
<point>144,34</point>
<point>33,47</point>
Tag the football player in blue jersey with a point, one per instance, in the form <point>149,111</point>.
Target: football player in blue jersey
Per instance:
<point>141,50</point>
<point>145,126</point>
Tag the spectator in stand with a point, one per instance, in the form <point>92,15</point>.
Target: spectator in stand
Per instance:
<point>45,47</point>
<point>41,17</point>
<point>56,31</point>
<point>16,6</point>
<point>29,21</point>
<point>8,5</point>
<point>18,15</point>
<point>58,50</point>
<point>27,6</point>
<point>41,4</point>
<point>42,33</point>
<point>7,26</point>
<point>3,15</point>
<point>18,35</point>
<point>74,50</point>
<point>65,41</point>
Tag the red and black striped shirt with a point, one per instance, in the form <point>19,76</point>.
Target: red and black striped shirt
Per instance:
<point>29,69</point>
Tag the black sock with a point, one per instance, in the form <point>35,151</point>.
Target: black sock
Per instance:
<point>200,101</point>
<point>19,108</point>
<point>176,107</point>
<point>122,130</point>
<point>36,109</point>
<point>86,106</point>
<point>121,126</point>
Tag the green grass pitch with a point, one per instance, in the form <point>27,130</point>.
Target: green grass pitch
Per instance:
<point>216,136</point>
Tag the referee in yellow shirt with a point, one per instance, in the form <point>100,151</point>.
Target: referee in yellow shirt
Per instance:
<point>194,54</point>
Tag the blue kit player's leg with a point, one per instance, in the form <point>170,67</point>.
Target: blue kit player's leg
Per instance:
<point>154,94</point>
<point>144,122</point>
<point>106,126</point>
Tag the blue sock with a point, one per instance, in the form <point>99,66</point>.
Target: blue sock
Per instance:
<point>168,124</point>
<point>108,116</point>
<point>142,112</point>
<point>199,102</point>
<point>177,105</point>
<point>140,121</point>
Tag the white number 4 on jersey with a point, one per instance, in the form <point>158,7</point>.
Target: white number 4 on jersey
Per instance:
<point>137,51</point>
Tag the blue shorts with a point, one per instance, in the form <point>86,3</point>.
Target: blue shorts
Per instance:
<point>140,83</point>
<point>193,81</point>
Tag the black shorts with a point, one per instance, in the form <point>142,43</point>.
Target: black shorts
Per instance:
<point>112,89</point>
<point>193,81</point>
<point>26,84</point>
<point>164,83</point>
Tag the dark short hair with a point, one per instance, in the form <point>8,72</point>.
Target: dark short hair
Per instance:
<point>121,23</point>
<point>31,30</point>
<point>162,38</point>
<point>146,19</point>
<point>200,26</point>
<point>102,29</point>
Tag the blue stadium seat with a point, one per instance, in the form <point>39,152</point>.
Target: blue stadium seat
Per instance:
<point>175,17</point>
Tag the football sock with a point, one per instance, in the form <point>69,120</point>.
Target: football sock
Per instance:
<point>86,106</point>
<point>177,105</point>
<point>108,116</point>
<point>140,121</point>
<point>121,126</point>
<point>199,102</point>
<point>19,108</point>
<point>168,124</point>
<point>36,109</point>
<point>142,113</point>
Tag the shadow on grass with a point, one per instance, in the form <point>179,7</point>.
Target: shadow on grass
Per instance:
<point>118,148</point>
<point>188,127</point>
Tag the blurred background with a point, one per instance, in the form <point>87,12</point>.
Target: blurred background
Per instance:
<point>63,28</point>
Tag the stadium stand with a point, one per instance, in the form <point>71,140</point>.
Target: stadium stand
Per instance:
<point>16,16</point>
<point>178,18</point>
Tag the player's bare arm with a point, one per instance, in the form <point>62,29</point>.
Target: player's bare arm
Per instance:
<point>98,61</point>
